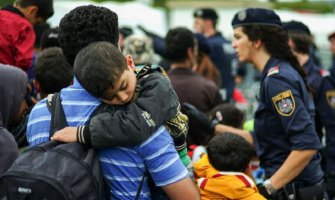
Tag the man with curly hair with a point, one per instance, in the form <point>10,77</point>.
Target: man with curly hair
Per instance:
<point>125,167</point>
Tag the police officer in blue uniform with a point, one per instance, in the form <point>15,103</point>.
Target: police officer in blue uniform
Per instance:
<point>300,41</point>
<point>284,134</point>
<point>222,54</point>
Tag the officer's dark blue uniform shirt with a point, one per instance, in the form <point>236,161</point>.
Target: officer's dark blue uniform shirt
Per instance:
<point>223,56</point>
<point>283,120</point>
<point>324,99</point>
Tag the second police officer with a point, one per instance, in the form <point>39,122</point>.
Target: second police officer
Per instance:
<point>300,41</point>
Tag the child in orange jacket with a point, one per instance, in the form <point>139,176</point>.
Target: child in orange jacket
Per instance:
<point>222,173</point>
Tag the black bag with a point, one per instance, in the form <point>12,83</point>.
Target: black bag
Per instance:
<point>53,170</point>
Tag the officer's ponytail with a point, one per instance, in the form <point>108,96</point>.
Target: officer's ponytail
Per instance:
<point>275,40</point>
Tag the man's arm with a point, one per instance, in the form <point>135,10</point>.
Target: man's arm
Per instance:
<point>221,128</point>
<point>165,167</point>
<point>183,189</point>
<point>214,128</point>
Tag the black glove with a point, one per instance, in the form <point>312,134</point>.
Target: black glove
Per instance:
<point>200,117</point>
<point>262,190</point>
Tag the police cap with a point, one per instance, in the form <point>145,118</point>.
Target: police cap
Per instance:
<point>256,16</point>
<point>205,13</point>
<point>296,27</point>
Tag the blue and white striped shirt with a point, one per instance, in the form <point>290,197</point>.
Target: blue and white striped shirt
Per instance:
<point>124,167</point>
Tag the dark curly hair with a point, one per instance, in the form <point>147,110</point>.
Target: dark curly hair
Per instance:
<point>177,41</point>
<point>52,71</point>
<point>229,152</point>
<point>84,25</point>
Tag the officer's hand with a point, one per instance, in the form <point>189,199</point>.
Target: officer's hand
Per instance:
<point>195,114</point>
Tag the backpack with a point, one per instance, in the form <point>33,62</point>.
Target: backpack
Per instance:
<point>54,170</point>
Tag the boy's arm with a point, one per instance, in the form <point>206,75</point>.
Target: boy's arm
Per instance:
<point>134,123</point>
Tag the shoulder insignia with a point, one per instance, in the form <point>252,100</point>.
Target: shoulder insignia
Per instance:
<point>324,73</point>
<point>284,103</point>
<point>273,70</point>
<point>330,95</point>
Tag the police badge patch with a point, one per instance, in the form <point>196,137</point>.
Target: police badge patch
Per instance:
<point>284,103</point>
<point>331,98</point>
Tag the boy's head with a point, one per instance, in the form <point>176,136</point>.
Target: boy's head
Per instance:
<point>105,73</point>
<point>227,114</point>
<point>84,25</point>
<point>52,71</point>
<point>35,11</point>
<point>49,38</point>
<point>229,152</point>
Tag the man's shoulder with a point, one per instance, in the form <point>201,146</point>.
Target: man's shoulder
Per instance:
<point>14,18</point>
<point>39,109</point>
<point>160,136</point>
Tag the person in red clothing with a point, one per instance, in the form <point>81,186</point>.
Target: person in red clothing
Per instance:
<point>17,35</point>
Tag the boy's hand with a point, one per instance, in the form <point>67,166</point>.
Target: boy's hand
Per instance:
<point>67,134</point>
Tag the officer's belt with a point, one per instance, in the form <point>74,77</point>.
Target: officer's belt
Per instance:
<point>300,191</point>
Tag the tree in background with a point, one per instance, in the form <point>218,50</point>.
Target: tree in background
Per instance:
<point>6,2</point>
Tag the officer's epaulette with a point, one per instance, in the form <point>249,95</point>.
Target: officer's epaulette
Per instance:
<point>273,70</point>
<point>324,72</point>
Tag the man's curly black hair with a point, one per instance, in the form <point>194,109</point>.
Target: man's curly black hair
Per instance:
<point>84,25</point>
